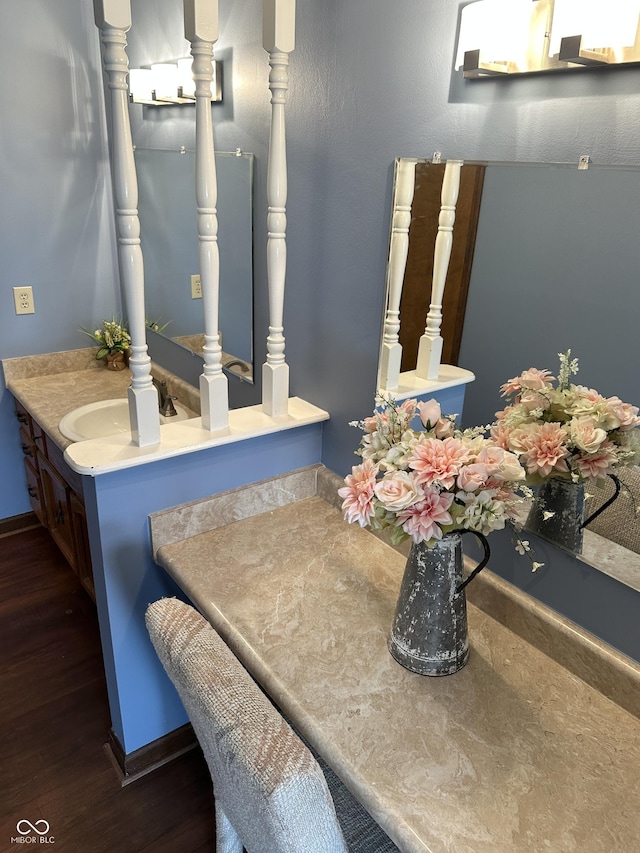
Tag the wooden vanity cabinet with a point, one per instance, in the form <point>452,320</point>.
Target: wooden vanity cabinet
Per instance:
<point>55,493</point>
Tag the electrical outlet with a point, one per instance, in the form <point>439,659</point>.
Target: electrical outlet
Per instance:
<point>23,300</point>
<point>196,287</point>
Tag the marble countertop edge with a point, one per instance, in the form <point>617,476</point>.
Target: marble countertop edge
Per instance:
<point>599,665</point>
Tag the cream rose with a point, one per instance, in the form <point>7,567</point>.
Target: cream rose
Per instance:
<point>397,491</point>
<point>585,434</point>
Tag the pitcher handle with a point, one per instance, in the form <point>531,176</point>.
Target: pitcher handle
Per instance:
<point>487,553</point>
<point>607,503</point>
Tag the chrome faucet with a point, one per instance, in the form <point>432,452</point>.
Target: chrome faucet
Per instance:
<point>165,400</point>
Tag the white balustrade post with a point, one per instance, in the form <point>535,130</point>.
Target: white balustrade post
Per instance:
<point>430,346</point>
<point>113,17</point>
<point>391,355</point>
<point>201,29</point>
<point>278,39</point>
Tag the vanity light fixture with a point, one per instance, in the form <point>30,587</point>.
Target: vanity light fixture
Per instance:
<point>166,83</point>
<point>494,37</point>
<point>584,33</point>
<point>509,37</point>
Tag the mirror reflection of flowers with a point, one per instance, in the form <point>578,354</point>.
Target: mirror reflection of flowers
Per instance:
<point>565,430</point>
<point>424,483</point>
<point>112,337</point>
<point>156,325</point>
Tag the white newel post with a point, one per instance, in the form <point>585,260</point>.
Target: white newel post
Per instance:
<point>430,347</point>
<point>113,17</point>
<point>278,39</point>
<point>201,29</point>
<point>391,356</point>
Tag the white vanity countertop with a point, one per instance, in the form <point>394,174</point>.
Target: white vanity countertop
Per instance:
<point>50,387</point>
<point>449,376</point>
<point>513,753</point>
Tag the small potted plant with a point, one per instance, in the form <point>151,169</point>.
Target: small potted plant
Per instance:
<point>113,341</point>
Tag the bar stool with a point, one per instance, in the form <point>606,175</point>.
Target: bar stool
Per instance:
<point>270,792</point>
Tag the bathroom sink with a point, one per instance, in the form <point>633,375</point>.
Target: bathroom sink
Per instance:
<point>106,417</point>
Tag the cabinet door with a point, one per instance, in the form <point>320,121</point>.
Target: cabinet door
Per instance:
<point>55,493</point>
<point>34,487</point>
<point>81,543</point>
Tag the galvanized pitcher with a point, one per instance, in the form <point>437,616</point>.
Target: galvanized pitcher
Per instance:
<point>429,630</point>
<point>557,512</point>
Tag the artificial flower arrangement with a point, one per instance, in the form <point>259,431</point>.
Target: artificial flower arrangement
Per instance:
<point>112,337</point>
<point>565,430</point>
<point>425,483</point>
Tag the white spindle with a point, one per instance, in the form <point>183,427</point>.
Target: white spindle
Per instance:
<point>201,29</point>
<point>278,39</point>
<point>430,347</point>
<point>391,356</point>
<point>113,17</point>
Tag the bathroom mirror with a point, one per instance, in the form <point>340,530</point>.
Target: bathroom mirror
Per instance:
<point>169,238</point>
<point>551,260</point>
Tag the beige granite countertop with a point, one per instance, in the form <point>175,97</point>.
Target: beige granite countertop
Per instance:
<point>512,753</point>
<point>50,386</point>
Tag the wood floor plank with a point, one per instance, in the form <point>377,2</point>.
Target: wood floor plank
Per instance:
<point>54,721</point>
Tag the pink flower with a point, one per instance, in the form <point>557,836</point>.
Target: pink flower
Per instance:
<point>408,408</point>
<point>358,493</point>
<point>473,477</point>
<point>545,449</point>
<point>421,521</point>
<point>624,413</point>
<point>445,428</point>
<point>531,400</point>
<point>597,464</point>
<point>590,395</point>
<point>533,379</point>
<point>501,434</point>
<point>438,461</point>
<point>398,490</point>
<point>430,413</point>
<point>502,464</point>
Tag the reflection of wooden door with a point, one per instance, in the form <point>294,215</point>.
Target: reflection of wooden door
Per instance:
<point>416,292</point>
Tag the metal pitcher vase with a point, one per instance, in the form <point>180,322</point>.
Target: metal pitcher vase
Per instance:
<point>557,512</point>
<point>429,632</point>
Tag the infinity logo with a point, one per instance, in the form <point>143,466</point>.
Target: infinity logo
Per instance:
<point>32,827</point>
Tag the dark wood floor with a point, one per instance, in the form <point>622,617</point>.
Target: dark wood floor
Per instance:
<point>54,720</point>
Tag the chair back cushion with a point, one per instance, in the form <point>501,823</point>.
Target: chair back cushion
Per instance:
<point>265,779</point>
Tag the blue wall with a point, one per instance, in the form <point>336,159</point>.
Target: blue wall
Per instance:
<point>142,702</point>
<point>555,267</point>
<point>56,208</point>
<point>370,80</point>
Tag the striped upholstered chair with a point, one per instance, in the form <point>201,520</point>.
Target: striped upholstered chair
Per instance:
<point>270,793</point>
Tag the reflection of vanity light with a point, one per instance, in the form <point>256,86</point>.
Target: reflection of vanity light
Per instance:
<point>168,83</point>
<point>141,86</point>
<point>494,37</point>
<point>589,33</point>
<point>506,37</point>
<point>186,83</point>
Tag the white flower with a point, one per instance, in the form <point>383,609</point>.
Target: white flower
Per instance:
<point>398,490</point>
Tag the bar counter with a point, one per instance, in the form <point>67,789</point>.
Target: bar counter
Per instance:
<point>512,753</point>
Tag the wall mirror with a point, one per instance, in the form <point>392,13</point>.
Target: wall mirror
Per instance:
<point>545,258</point>
<point>169,238</point>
